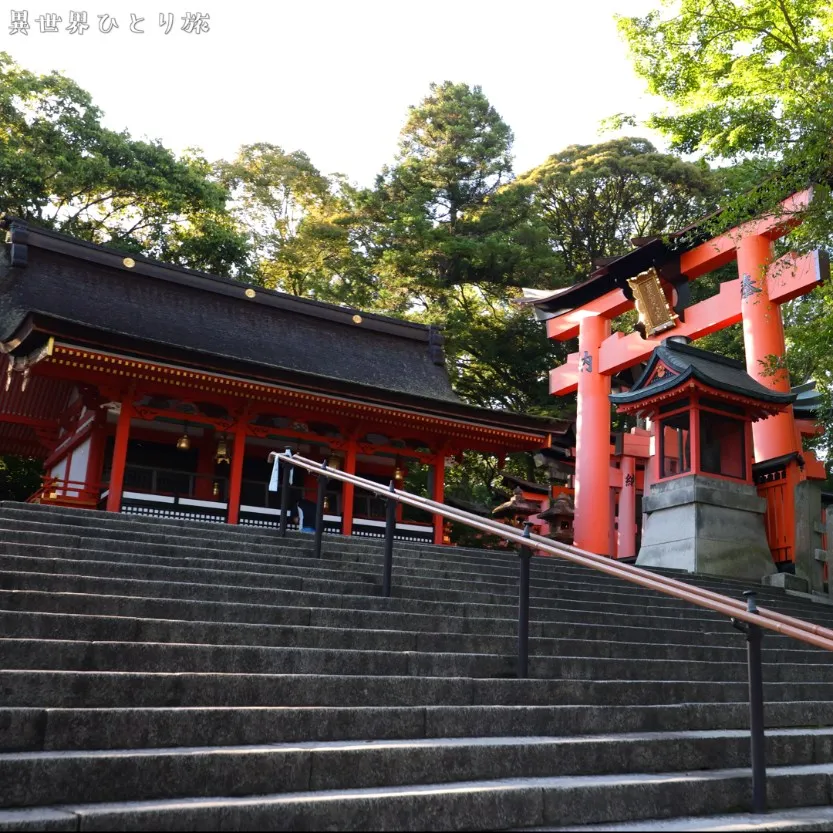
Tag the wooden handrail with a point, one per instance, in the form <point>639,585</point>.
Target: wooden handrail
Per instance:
<point>798,629</point>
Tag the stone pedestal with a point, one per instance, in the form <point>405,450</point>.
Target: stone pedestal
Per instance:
<point>809,529</point>
<point>706,525</point>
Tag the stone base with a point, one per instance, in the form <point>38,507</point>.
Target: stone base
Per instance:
<point>705,525</point>
<point>787,581</point>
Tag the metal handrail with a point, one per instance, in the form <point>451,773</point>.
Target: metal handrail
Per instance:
<point>812,634</point>
<point>747,617</point>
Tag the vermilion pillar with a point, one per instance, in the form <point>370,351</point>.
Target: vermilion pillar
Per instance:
<point>438,492</point>
<point>627,510</point>
<point>119,456</point>
<point>236,474</point>
<point>348,489</point>
<point>763,341</point>
<point>592,522</point>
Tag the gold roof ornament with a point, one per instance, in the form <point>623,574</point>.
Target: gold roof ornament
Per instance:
<point>655,314</point>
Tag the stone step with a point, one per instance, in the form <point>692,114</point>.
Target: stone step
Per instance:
<point>212,532</point>
<point>69,655</point>
<point>233,534</point>
<point>139,607</point>
<point>184,591</point>
<point>485,805</point>
<point>405,600</point>
<point>107,689</point>
<point>14,624</point>
<point>358,573</point>
<point>788,821</point>
<point>543,581</point>
<point>36,729</point>
<point>43,778</point>
<point>107,565</point>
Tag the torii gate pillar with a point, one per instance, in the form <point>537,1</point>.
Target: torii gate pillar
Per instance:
<point>763,341</point>
<point>592,518</point>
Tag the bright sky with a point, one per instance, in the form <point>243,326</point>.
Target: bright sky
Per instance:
<point>335,78</point>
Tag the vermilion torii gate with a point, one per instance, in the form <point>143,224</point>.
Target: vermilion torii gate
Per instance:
<point>754,297</point>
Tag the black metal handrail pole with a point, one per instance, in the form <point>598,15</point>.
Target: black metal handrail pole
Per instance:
<point>524,556</point>
<point>323,480</point>
<point>390,528</point>
<point>754,637</point>
<point>757,740</point>
<point>285,496</point>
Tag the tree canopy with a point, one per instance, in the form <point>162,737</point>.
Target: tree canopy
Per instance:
<point>60,167</point>
<point>746,83</point>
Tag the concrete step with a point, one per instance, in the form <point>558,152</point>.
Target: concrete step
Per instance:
<point>107,689</point>
<point>44,778</point>
<point>485,805</point>
<point>38,729</point>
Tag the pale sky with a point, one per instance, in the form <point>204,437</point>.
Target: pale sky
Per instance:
<point>335,78</point>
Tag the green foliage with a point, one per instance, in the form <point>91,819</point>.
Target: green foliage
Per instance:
<point>594,199</point>
<point>19,477</point>
<point>749,83</point>
<point>445,213</point>
<point>61,168</point>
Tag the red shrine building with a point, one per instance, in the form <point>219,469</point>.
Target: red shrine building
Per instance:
<point>764,449</point>
<point>152,389</point>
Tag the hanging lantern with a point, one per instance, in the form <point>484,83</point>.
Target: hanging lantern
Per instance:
<point>215,489</point>
<point>398,471</point>
<point>222,455</point>
<point>326,504</point>
<point>184,442</point>
<point>334,462</point>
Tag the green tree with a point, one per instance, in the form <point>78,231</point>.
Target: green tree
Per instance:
<point>594,199</point>
<point>445,214</point>
<point>748,82</point>
<point>61,168</point>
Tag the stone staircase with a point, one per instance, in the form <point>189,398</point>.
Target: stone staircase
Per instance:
<point>184,676</point>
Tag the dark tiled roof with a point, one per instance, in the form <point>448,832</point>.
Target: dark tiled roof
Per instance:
<point>808,401</point>
<point>88,285</point>
<point>709,368</point>
<point>52,283</point>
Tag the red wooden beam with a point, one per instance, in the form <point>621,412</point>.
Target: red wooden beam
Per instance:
<point>693,263</point>
<point>17,419</point>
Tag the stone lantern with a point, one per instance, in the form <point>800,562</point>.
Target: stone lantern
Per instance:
<point>559,516</point>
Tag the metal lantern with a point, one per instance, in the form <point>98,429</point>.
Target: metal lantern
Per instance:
<point>222,455</point>
<point>184,442</point>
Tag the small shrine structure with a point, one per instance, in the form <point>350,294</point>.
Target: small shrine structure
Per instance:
<point>702,510</point>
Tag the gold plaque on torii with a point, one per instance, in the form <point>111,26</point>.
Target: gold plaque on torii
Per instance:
<point>654,312</point>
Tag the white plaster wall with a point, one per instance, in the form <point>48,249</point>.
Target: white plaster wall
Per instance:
<point>80,459</point>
